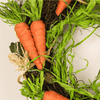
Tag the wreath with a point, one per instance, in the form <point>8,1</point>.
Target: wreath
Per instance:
<point>43,53</point>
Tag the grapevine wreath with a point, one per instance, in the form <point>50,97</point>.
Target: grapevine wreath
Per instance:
<point>46,63</point>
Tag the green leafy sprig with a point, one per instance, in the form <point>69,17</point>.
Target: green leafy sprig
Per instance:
<point>33,89</point>
<point>33,9</point>
<point>10,12</point>
<point>84,16</point>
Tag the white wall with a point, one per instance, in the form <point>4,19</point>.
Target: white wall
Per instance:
<point>9,88</point>
<point>90,50</point>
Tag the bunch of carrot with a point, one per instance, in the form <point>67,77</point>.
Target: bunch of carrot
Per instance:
<point>33,38</point>
<point>34,45</point>
<point>34,42</point>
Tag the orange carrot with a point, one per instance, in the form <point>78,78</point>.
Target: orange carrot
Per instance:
<point>24,34</point>
<point>61,6</point>
<point>52,95</point>
<point>38,32</point>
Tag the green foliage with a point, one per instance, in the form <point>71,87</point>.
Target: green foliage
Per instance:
<point>33,89</point>
<point>84,16</point>
<point>98,2</point>
<point>10,12</point>
<point>84,68</point>
<point>78,89</point>
<point>33,9</point>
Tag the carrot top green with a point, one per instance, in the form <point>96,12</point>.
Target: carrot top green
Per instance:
<point>33,9</point>
<point>10,12</point>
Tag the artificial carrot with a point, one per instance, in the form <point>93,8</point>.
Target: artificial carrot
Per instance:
<point>61,6</point>
<point>24,34</point>
<point>52,95</point>
<point>13,14</point>
<point>38,32</point>
<point>37,26</point>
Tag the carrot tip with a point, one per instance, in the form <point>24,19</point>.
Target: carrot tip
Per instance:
<point>61,6</point>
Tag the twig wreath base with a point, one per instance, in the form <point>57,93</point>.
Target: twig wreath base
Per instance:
<point>70,85</point>
<point>18,60</point>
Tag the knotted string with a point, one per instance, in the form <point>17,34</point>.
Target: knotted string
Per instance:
<point>18,60</point>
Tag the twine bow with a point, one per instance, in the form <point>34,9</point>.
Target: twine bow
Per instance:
<point>22,61</point>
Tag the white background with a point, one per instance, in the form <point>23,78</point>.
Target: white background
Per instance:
<point>89,50</point>
<point>9,88</point>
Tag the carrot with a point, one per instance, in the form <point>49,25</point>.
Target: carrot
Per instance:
<point>52,95</point>
<point>13,14</point>
<point>38,32</point>
<point>24,34</point>
<point>37,26</point>
<point>61,6</point>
